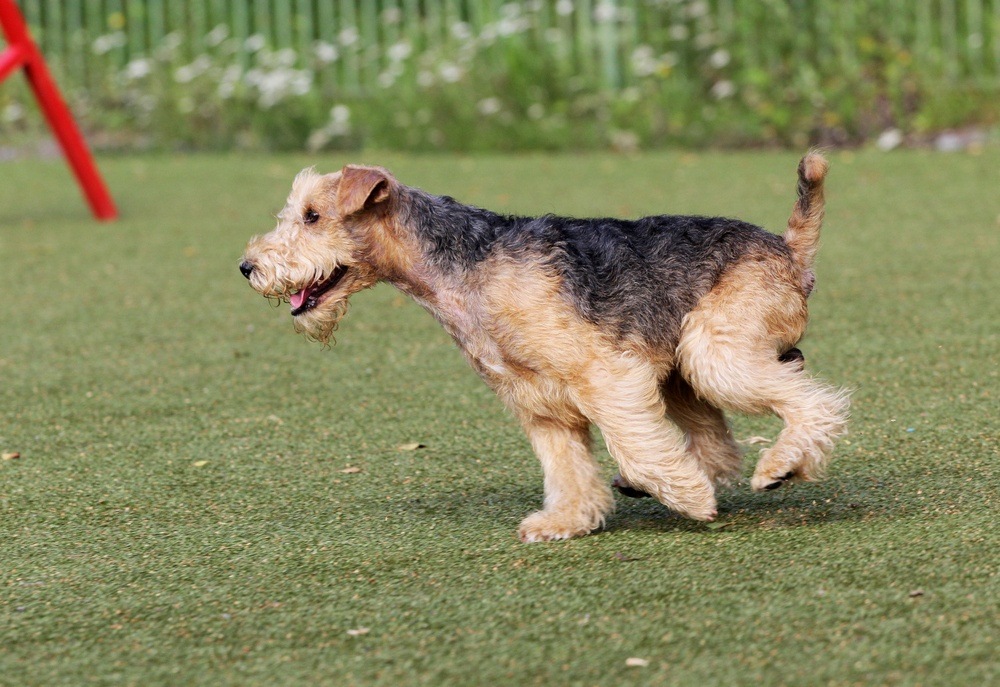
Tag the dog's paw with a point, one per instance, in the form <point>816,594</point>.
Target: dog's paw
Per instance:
<point>764,482</point>
<point>693,497</point>
<point>552,526</point>
<point>704,512</point>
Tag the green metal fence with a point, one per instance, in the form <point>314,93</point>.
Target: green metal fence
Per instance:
<point>604,41</point>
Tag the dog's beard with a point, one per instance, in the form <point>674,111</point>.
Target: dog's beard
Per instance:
<point>321,322</point>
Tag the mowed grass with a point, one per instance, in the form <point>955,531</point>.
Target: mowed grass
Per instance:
<point>182,511</point>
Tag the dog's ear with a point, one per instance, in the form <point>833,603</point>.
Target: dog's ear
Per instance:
<point>361,188</point>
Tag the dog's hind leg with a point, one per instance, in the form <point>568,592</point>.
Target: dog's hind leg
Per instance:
<point>622,396</point>
<point>729,354</point>
<point>708,436</point>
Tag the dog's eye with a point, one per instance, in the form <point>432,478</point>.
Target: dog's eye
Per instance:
<point>310,217</point>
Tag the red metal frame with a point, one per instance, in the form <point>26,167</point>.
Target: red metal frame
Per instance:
<point>22,53</point>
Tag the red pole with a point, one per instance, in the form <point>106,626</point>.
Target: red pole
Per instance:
<point>10,59</point>
<point>22,52</point>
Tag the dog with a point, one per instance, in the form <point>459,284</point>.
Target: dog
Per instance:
<point>648,328</point>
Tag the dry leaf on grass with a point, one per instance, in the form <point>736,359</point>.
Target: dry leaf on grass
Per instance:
<point>13,455</point>
<point>411,447</point>
<point>753,441</point>
<point>200,463</point>
<point>636,662</point>
<point>717,525</point>
<point>351,470</point>
<point>357,632</point>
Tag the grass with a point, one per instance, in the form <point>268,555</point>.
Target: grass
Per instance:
<point>180,512</point>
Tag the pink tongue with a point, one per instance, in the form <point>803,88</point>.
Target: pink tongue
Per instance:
<point>297,299</point>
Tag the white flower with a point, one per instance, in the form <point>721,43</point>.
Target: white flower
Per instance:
<point>678,32</point>
<point>605,12</point>
<point>719,58</point>
<point>12,113</point>
<point>138,68</point>
<point>643,62</point>
<point>340,114</point>
<point>217,35</point>
<point>398,52</point>
<point>461,31</point>
<point>889,139</point>
<point>172,41</point>
<point>564,7</point>
<point>254,43</point>
<point>169,45</point>
<point>190,72</point>
<point>273,86</point>
<point>488,106</point>
<point>230,77</point>
<point>511,21</point>
<point>325,52</point>
<point>285,57</point>
<point>300,82</point>
<point>723,89</point>
<point>317,140</point>
<point>348,36</point>
<point>705,40</point>
<point>536,111</point>
<point>511,24</point>
<point>108,42</point>
<point>391,16</point>
<point>450,72</point>
<point>510,9</point>
<point>697,9</point>
<point>340,121</point>
<point>425,79</point>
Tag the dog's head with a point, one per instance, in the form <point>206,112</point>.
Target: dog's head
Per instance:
<point>319,254</point>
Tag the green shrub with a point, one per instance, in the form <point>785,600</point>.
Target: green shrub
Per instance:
<point>666,72</point>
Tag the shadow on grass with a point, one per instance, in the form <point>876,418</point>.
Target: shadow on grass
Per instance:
<point>793,506</point>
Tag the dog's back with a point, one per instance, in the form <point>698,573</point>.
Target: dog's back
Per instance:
<point>629,277</point>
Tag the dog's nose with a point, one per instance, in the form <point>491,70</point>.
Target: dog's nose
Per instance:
<point>246,268</point>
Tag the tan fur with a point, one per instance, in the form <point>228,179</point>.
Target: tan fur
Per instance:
<point>728,353</point>
<point>802,234</point>
<point>660,411</point>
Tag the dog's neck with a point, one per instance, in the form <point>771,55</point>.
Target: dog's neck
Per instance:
<point>402,254</point>
<point>413,243</point>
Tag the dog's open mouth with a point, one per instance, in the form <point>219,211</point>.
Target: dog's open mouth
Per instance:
<point>311,296</point>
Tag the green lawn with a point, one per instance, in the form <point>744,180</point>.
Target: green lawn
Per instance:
<point>180,513</point>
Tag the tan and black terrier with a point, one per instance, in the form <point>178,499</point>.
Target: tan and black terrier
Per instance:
<point>648,328</point>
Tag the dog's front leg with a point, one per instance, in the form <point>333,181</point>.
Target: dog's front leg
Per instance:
<point>577,499</point>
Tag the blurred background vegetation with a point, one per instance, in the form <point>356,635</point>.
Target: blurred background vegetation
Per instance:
<point>465,75</point>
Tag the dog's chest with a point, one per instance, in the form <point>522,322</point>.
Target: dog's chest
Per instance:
<point>459,312</point>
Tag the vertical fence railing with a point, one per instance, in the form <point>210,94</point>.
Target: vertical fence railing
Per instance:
<point>960,38</point>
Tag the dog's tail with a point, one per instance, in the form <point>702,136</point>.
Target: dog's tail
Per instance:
<point>802,235</point>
